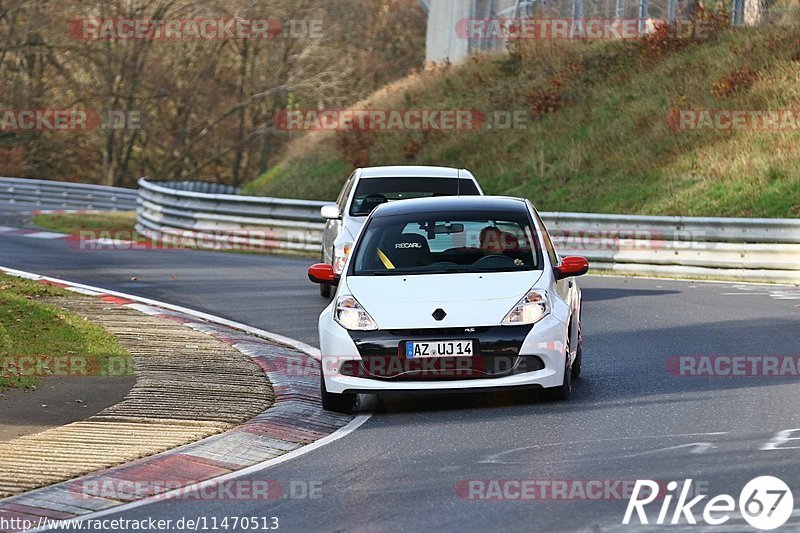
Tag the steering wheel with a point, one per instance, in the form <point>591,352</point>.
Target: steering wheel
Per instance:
<point>374,200</point>
<point>494,260</point>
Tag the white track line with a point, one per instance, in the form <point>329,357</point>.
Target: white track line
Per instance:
<point>49,235</point>
<point>603,274</point>
<point>357,422</point>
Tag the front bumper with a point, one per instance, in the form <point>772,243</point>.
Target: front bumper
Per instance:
<point>506,357</point>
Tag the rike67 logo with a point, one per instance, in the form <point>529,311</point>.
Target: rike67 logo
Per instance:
<point>766,503</point>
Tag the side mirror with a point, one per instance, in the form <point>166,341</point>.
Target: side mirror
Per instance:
<point>572,266</point>
<point>322,273</point>
<point>330,212</point>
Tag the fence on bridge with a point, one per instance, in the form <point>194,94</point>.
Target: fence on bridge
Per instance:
<point>446,41</point>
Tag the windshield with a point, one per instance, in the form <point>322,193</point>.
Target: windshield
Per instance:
<point>439,243</point>
<point>372,192</point>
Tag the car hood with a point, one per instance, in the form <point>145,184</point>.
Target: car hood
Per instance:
<point>401,302</point>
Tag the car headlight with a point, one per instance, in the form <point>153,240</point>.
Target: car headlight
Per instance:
<point>350,315</point>
<point>533,307</point>
<point>340,255</point>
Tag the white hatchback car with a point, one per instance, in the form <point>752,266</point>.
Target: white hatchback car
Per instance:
<point>367,188</point>
<point>451,293</point>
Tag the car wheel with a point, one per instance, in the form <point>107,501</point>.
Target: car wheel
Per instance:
<point>338,403</point>
<point>324,290</point>
<point>565,390</point>
<point>576,365</point>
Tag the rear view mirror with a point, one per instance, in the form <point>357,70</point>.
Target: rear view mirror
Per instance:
<point>572,266</point>
<point>330,212</point>
<point>447,229</point>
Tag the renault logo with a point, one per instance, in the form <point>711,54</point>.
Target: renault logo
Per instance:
<point>439,315</point>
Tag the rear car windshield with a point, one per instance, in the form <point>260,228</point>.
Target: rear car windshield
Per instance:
<point>372,192</point>
<point>442,243</point>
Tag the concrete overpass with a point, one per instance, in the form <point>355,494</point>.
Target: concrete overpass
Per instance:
<point>444,42</point>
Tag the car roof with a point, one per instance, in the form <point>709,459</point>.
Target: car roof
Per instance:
<point>413,171</point>
<point>451,203</point>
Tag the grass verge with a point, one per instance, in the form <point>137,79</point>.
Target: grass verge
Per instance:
<point>38,339</point>
<point>74,223</point>
<point>600,134</point>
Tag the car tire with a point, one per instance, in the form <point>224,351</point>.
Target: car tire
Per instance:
<point>564,391</point>
<point>577,364</point>
<point>325,290</point>
<point>338,403</point>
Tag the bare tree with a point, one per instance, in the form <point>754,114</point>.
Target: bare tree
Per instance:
<point>188,108</point>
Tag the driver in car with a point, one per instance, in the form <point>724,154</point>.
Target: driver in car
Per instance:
<point>493,241</point>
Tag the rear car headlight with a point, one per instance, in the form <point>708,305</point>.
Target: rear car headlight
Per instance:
<point>533,307</point>
<point>350,315</point>
<point>340,255</point>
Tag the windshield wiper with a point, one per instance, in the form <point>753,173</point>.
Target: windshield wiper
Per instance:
<point>394,272</point>
<point>405,272</point>
<point>452,270</point>
<point>524,268</point>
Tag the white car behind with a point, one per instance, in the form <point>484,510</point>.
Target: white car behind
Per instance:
<point>367,188</point>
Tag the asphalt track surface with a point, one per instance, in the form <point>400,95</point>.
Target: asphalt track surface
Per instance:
<point>404,470</point>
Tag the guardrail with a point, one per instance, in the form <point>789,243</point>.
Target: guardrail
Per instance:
<point>43,194</point>
<point>729,248</point>
<point>169,212</point>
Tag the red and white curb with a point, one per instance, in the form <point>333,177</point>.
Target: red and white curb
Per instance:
<point>50,235</point>
<point>31,233</point>
<point>293,426</point>
<point>80,243</point>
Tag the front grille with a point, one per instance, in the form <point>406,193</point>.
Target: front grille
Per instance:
<point>399,368</point>
<point>433,332</point>
<point>496,353</point>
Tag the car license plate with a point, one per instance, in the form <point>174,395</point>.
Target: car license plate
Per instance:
<point>421,350</point>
